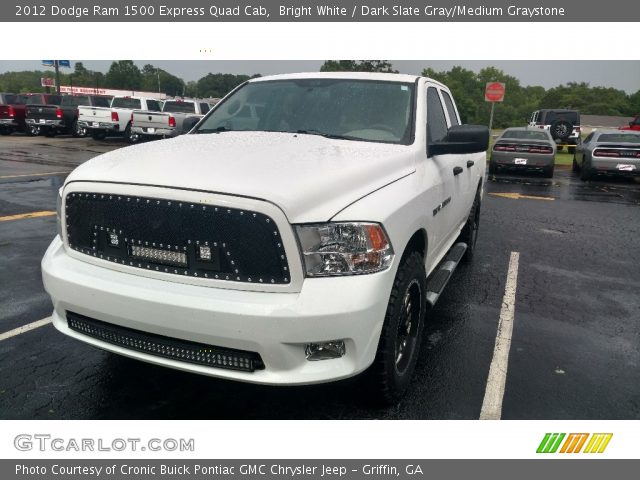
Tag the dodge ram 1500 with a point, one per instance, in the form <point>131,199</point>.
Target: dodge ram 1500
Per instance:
<point>298,234</point>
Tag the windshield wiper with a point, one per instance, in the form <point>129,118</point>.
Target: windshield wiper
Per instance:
<point>214,130</point>
<point>324,134</point>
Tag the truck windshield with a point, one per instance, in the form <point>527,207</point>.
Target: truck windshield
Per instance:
<point>377,111</point>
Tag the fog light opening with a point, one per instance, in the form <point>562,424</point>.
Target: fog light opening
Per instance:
<point>325,350</point>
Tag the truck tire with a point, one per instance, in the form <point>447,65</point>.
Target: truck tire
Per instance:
<point>50,132</point>
<point>77,131</point>
<point>33,130</point>
<point>388,378</point>
<point>129,136</point>
<point>6,130</point>
<point>492,168</point>
<point>98,135</point>
<point>469,234</point>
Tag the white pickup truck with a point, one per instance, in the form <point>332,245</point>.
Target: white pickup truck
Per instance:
<point>298,241</point>
<point>170,122</point>
<point>116,119</point>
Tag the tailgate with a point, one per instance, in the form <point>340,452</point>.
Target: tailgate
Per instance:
<point>44,112</point>
<point>94,114</point>
<point>150,119</point>
<point>4,111</point>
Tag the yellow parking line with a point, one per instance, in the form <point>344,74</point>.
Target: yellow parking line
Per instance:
<point>517,196</point>
<point>35,174</point>
<point>22,216</point>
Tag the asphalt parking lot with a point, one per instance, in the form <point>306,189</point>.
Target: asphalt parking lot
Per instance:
<point>575,346</point>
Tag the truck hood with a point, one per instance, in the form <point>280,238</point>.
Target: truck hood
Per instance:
<point>311,178</point>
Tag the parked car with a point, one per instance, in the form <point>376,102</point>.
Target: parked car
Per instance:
<point>170,122</point>
<point>115,119</point>
<point>564,126</point>
<point>633,124</point>
<point>302,249</point>
<point>63,116</point>
<point>524,148</point>
<point>34,103</point>
<point>610,152</point>
<point>12,110</point>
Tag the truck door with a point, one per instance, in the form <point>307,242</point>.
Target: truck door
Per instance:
<point>440,168</point>
<point>465,183</point>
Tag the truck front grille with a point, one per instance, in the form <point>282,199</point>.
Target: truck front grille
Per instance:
<point>178,238</point>
<point>161,346</point>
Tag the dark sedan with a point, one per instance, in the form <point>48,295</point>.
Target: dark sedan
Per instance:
<point>610,152</point>
<point>524,149</point>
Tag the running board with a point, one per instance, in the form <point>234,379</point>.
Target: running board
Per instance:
<point>441,275</point>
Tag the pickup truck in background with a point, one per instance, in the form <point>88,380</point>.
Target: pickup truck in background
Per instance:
<point>633,124</point>
<point>115,119</point>
<point>301,240</point>
<point>169,122</point>
<point>34,103</point>
<point>12,110</point>
<point>62,117</point>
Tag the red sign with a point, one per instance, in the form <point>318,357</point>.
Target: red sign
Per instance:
<point>494,92</point>
<point>47,82</point>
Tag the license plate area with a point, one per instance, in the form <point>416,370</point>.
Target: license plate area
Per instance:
<point>623,167</point>
<point>520,161</point>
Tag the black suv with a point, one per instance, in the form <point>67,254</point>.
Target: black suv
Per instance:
<point>563,125</point>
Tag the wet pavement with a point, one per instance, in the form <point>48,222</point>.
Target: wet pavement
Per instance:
<point>575,350</point>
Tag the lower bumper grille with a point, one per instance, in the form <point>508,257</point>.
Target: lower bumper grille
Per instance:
<point>161,346</point>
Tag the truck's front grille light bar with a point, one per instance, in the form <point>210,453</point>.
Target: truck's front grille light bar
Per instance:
<point>161,346</point>
<point>157,255</point>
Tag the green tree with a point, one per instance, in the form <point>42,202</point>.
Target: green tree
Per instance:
<point>124,74</point>
<point>155,79</point>
<point>357,66</point>
<point>217,85</point>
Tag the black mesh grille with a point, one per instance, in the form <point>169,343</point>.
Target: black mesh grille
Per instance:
<point>160,346</point>
<point>180,238</point>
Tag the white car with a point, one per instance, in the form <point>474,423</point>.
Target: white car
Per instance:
<point>299,243</point>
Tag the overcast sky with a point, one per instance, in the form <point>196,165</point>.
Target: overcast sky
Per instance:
<point>623,75</point>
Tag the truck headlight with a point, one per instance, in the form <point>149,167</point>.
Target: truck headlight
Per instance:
<point>348,248</point>
<point>59,213</point>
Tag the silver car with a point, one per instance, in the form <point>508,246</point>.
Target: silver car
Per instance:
<point>524,148</point>
<point>610,152</point>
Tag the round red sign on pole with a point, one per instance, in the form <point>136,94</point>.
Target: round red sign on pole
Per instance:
<point>494,92</point>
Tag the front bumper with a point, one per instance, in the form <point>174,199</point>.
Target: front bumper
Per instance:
<point>277,326</point>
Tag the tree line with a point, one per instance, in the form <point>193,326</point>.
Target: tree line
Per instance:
<point>467,87</point>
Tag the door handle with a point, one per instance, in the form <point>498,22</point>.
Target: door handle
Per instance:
<point>457,170</point>
<point>470,163</point>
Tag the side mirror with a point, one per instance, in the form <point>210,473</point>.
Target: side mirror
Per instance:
<point>462,139</point>
<point>188,123</point>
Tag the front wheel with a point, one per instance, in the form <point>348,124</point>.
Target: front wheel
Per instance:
<point>388,378</point>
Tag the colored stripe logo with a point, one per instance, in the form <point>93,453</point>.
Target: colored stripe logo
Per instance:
<point>574,443</point>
